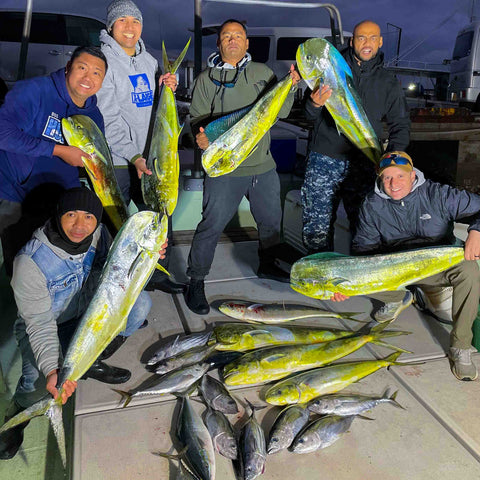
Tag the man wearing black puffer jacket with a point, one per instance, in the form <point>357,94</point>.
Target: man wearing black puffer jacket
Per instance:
<point>336,169</point>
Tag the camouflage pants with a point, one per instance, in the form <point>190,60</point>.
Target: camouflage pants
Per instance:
<point>327,181</point>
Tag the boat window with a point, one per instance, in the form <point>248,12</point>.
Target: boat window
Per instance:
<point>287,47</point>
<point>83,31</point>
<point>463,45</point>
<point>258,47</point>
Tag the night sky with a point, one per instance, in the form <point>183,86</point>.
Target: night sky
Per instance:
<point>170,20</point>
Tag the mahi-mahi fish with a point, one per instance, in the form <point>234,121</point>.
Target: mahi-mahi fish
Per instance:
<point>323,274</point>
<point>231,148</point>
<point>82,132</point>
<point>277,312</point>
<point>319,62</point>
<point>130,263</point>
<point>160,190</point>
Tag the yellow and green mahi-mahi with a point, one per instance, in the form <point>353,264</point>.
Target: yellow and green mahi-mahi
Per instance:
<point>273,363</point>
<point>323,274</point>
<point>130,262</point>
<point>303,387</point>
<point>160,190</point>
<point>82,132</point>
<point>277,312</point>
<point>232,147</point>
<point>240,337</point>
<point>320,63</point>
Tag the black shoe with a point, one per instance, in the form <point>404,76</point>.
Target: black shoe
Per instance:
<point>272,272</point>
<point>114,345</point>
<point>195,297</point>
<point>11,440</point>
<point>165,285</point>
<point>107,374</point>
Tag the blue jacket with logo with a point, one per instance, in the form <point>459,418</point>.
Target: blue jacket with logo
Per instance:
<point>424,218</point>
<point>30,126</point>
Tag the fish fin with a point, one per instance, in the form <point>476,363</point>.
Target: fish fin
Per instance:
<point>172,456</point>
<point>364,418</point>
<point>166,63</point>
<point>90,173</point>
<point>350,315</point>
<point>388,345</point>
<point>54,414</point>
<point>324,256</point>
<point>125,395</point>
<point>254,407</point>
<point>37,409</point>
<point>338,280</point>
<point>162,269</point>
<point>258,332</point>
<point>393,399</point>
<point>174,66</point>
<point>273,357</point>
<point>156,168</point>
<point>134,264</point>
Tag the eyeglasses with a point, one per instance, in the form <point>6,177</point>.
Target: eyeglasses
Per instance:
<point>232,82</point>
<point>394,159</point>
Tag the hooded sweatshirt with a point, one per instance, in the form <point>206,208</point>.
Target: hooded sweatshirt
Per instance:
<point>423,218</point>
<point>126,98</point>
<point>30,122</point>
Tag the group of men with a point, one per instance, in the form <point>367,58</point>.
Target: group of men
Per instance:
<point>55,272</point>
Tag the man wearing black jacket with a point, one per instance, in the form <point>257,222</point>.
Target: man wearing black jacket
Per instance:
<point>336,169</point>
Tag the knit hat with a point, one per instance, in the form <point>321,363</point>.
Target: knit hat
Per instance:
<point>80,198</point>
<point>397,159</point>
<point>122,8</point>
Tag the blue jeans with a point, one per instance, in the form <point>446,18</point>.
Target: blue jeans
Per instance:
<point>31,385</point>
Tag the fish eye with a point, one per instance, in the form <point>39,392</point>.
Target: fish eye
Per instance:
<point>309,57</point>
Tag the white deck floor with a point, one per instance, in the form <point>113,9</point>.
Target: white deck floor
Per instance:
<point>436,437</point>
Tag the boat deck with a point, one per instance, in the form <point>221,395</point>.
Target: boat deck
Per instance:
<point>436,437</point>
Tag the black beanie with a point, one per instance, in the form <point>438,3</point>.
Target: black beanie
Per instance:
<point>80,198</point>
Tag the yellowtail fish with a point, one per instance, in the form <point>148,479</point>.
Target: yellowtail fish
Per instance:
<point>320,63</point>
<point>277,312</point>
<point>160,190</point>
<point>82,132</point>
<point>231,148</point>
<point>289,422</point>
<point>303,387</point>
<point>241,337</point>
<point>130,263</point>
<point>267,364</point>
<point>323,274</point>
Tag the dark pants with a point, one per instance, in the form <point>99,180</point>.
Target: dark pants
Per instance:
<point>327,181</point>
<point>221,198</point>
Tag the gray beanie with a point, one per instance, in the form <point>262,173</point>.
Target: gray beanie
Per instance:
<point>122,8</point>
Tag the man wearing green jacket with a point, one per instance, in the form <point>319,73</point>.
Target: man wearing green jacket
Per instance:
<point>232,81</point>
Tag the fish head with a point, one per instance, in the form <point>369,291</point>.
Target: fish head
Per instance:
<point>228,446</point>
<point>225,404</point>
<point>284,393</point>
<point>233,309</point>
<point>151,231</point>
<point>254,465</point>
<point>305,443</point>
<point>313,60</point>
<point>75,131</point>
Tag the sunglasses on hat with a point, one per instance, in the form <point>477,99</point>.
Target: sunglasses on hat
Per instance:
<point>394,159</point>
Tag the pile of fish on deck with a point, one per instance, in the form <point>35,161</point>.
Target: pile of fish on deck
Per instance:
<point>259,353</point>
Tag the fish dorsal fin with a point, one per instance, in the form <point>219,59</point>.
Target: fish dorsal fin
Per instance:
<point>219,126</point>
<point>325,256</point>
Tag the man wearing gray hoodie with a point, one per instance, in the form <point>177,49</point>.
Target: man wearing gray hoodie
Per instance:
<point>126,99</point>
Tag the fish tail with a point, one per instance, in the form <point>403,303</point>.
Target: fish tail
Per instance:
<point>392,399</point>
<point>173,67</point>
<point>127,396</point>
<point>389,345</point>
<point>53,410</point>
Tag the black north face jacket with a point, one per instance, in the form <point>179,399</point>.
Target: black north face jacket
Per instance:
<point>424,218</point>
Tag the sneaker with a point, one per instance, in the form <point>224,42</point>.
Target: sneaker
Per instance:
<point>462,366</point>
<point>390,311</point>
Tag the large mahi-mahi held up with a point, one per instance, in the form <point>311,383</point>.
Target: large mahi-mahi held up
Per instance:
<point>82,132</point>
<point>160,190</point>
<point>320,63</point>
<point>130,263</point>
<point>323,274</point>
<point>231,148</point>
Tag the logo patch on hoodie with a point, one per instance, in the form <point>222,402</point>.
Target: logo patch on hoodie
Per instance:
<point>142,95</point>
<point>53,128</point>
<point>425,216</point>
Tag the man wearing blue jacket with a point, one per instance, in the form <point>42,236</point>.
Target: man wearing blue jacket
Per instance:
<point>406,211</point>
<point>33,152</point>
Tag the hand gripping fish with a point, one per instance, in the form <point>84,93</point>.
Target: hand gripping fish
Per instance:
<point>82,132</point>
<point>319,62</point>
<point>130,263</point>
<point>160,190</point>
<point>225,153</point>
